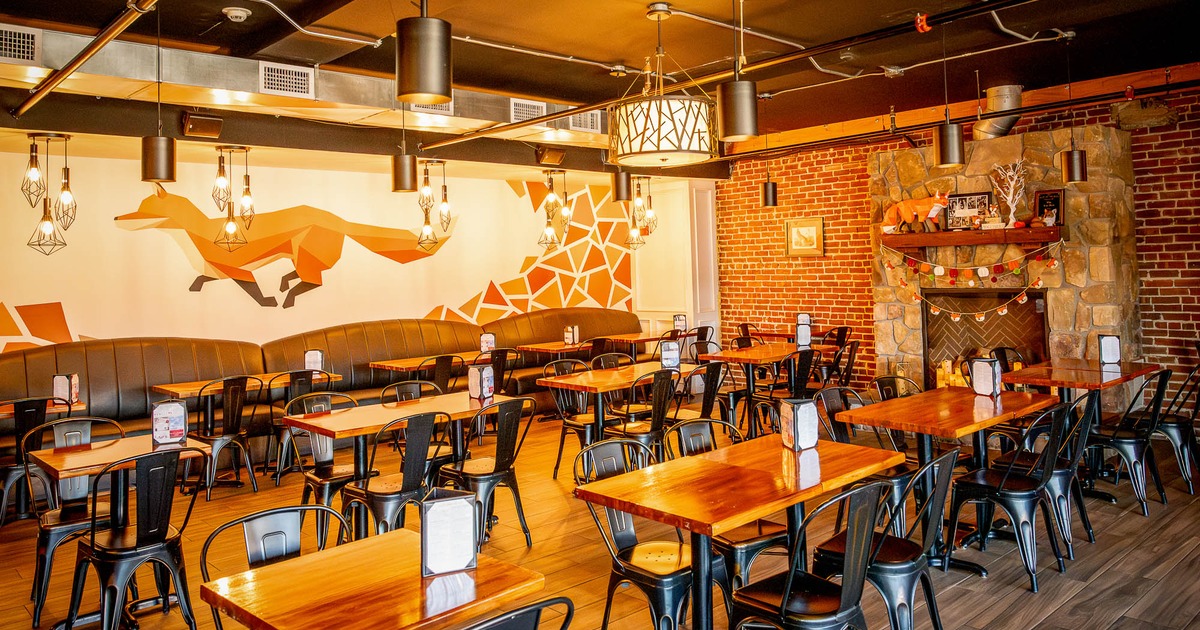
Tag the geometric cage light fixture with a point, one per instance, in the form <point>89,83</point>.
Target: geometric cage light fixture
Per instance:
<point>223,192</point>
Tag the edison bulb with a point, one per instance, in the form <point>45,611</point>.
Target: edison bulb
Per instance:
<point>34,174</point>
<point>66,197</point>
<point>47,227</point>
<point>427,229</point>
<point>222,181</point>
<point>637,201</point>
<point>444,207</point>
<point>247,200</point>
<point>230,227</point>
<point>551,197</point>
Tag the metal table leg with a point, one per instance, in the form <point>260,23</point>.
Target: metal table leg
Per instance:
<point>598,416</point>
<point>751,424</point>
<point>702,618</point>
<point>361,471</point>
<point>925,455</point>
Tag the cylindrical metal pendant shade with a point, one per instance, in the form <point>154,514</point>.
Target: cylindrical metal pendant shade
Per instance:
<point>737,110</point>
<point>404,173</point>
<point>158,159</point>
<point>948,146</point>
<point>1074,166</point>
<point>622,186</point>
<point>770,194</point>
<point>423,70</point>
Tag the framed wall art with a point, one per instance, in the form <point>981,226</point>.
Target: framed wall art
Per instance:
<point>805,237</point>
<point>963,210</point>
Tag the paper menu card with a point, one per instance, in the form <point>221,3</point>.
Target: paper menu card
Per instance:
<point>169,422</point>
<point>669,351</point>
<point>985,376</point>
<point>448,535</point>
<point>1110,348</point>
<point>480,381</point>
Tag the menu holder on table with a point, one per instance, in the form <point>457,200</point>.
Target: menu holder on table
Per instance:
<point>314,359</point>
<point>798,423</point>
<point>803,330</point>
<point>1110,348</point>
<point>480,381</point>
<point>985,376</point>
<point>669,355</point>
<point>571,335</point>
<point>169,422</point>
<point>66,387</point>
<point>680,322</point>
<point>450,521</point>
<point>487,342</point>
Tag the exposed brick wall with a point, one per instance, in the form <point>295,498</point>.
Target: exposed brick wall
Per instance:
<point>760,284</point>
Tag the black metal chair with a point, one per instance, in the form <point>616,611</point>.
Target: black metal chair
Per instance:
<point>898,563</point>
<point>443,370</point>
<point>325,479</point>
<point>527,617</point>
<point>270,536</point>
<point>234,391</point>
<point>1178,425</point>
<point>670,335</point>
<point>299,382</point>
<point>116,553</point>
<point>439,452</point>
<point>386,496</point>
<point>483,475</point>
<point>793,379</point>
<point>1130,437</point>
<point>502,360</point>
<point>571,407</point>
<point>662,385</point>
<point>892,386</point>
<point>27,414</point>
<point>599,346</point>
<point>700,333</point>
<point>750,330</point>
<point>712,376</point>
<point>660,569</point>
<point>1017,493</point>
<point>1007,357</point>
<point>67,512</point>
<point>841,366</point>
<point>797,599</point>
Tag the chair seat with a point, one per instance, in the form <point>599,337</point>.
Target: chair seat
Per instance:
<point>991,478</point>
<point>192,435</point>
<point>810,596</point>
<point>893,550</point>
<point>1024,461</point>
<point>661,558</point>
<point>335,473</point>
<point>472,467</point>
<point>1175,418</point>
<point>124,539</point>
<point>74,514</point>
<point>581,421</point>
<point>688,414</point>
<point>632,409</point>
<point>381,485</point>
<point>629,429</point>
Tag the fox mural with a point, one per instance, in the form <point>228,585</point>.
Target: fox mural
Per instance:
<point>309,237</point>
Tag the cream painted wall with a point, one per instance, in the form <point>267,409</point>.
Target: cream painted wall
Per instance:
<point>662,268</point>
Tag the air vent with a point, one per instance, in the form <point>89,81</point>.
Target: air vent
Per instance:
<point>442,109</point>
<point>587,121</point>
<point>20,45</point>
<point>284,80</point>
<point>521,110</point>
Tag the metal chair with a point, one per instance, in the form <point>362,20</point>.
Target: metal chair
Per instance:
<point>67,512</point>
<point>1130,437</point>
<point>1179,426</point>
<point>325,479</point>
<point>27,414</point>
<point>670,335</point>
<point>270,536</point>
<point>443,370</point>
<point>571,408</point>
<point>527,617</point>
<point>660,569</point>
<point>750,330</point>
<point>662,385</point>
<point>299,382</point>
<point>841,366</point>
<point>117,553</point>
<point>712,375</point>
<point>233,391</point>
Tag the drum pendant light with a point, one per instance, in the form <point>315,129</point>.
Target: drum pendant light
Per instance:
<point>423,70</point>
<point>948,137</point>
<point>1073,161</point>
<point>158,151</point>
<point>737,100</point>
<point>622,184</point>
<point>404,165</point>
<point>770,191</point>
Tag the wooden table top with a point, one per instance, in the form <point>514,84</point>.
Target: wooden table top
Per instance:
<point>1048,375</point>
<point>369,419</point>
<point>411,364</point>
<point>6,411</point>
<point>1132,368</point>
<point>785,335</point>
<point>554,347</point>
<point>715,492</point>
<point>371,583</point>
<point>609,380</point>
<point>947,412</point>
<point>88,459</point>
<point>192,388</point>
<point>645,337</point>
<point>762,354</point>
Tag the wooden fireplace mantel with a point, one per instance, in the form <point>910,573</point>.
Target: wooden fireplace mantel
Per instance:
<point>1016,236</point>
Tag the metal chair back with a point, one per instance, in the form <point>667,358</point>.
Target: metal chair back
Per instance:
<point>609,458</point>
<point>698,436</point>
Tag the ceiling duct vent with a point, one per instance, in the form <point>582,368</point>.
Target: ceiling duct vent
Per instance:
<point>284,80</point>
<point>520,110</point>
<point>20,45</point>
<point>587,121</point>
<point>442,109</point>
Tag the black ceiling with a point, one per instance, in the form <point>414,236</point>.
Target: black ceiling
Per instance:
<point>1112,37</point>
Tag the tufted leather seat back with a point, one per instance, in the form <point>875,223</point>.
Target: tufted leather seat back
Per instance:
<point>115,375</point>
<point>547,325</point>
<point>350,348</point>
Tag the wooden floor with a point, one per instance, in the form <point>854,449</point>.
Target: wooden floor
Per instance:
<point>1141,573</point>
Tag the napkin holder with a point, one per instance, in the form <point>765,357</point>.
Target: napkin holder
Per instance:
<point>314,359</point>
<point>487,342</point>
<point>449,531</point>
<point>570,335</point>
<point>1110,348</point>
<point>985,377</point>
<point>669,355</point>
<point>66,387</point>
<point>680,322</point>
<point>798,423</point>
<point>168,422</point>
<point>480,382</point>
<point>803,330</point>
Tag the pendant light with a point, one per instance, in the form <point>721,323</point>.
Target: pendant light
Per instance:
<point>230,236</point>
<point>33,185</point>
<point>423,70</point>
<point>46,238</point>
<point>635,238</point>
<point>948,137</point>
<point>770,192</point>
<point>220,189</point>
<point>566,211</point>
<point>1073,162</point>
<point>444,206</point>
<point>427,239</point>
<point>551,205</point>
<point>404,165</point>
<point>158,151</point>
<point>247,200</point>
<point>621,183</point>
<point>64,206</point>
<point>737,100</point>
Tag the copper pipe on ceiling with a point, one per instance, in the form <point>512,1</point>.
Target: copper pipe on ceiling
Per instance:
<point>133,10</point>
<point>799,55</point>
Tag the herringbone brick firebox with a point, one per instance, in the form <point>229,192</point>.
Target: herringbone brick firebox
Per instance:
<point>1023,328</point>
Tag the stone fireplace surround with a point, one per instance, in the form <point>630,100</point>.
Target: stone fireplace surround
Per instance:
<point>1092,291</point>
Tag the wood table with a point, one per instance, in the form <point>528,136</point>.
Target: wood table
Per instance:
<point>371,583</point>
<point>790,336</point>
<point>412,364</point>
<point>633,339</point>
<point>600,382</point>
<point>750,359</point>
<point>952,413</point>
<point>359,423</point>
<point>1071,374</point>
<point>715,492</point>
<point>89,459</point>
<point>191,389</point>
<point>52,407</point>
<point>555,348</point>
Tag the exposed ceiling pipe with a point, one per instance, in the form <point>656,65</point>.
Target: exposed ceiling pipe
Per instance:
<point>133,10</point>
<point>373,43</point>
<point>968,11</point>
<point>999,99</point>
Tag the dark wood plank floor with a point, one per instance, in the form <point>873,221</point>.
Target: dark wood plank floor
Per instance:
<point>1141,573</point>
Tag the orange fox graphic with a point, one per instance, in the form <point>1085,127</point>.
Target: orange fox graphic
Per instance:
<point>311,238</point>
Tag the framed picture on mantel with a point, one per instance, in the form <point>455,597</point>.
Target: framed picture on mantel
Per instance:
<point>963,209</point>
<point>804,237</point>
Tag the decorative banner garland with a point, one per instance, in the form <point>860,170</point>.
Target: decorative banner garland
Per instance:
<point>1014,267</point>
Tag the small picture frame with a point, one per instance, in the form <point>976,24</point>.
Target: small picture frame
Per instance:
<point>804,237</point>
<point>1047,205</point>
<point>962,210</point>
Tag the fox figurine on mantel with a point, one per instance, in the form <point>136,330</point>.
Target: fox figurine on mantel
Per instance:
<point>914,215</point>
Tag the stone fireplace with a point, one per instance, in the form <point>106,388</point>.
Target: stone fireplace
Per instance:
<point>1022,328</point>
<point>1089,289</point>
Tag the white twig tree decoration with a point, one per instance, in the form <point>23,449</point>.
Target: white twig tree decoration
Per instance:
<point>1009,181</point>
